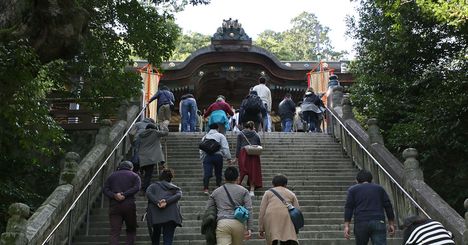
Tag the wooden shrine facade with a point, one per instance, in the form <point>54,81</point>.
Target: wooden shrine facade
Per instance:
<point>231,65</point>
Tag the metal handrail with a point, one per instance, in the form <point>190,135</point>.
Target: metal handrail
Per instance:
<point>378,164</point>
<point>90,182</point>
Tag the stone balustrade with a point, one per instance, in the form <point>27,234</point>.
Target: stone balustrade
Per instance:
<point>407,175</point>
<point>74,178</point>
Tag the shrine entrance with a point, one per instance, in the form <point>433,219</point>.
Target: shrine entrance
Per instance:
<point>231,65</point>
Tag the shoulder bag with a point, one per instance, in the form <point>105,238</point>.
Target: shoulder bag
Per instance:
<point>240,212</point>
<point>253,150</point>
<point>296,215</point>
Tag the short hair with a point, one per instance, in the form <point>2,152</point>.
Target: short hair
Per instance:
<point>164,87</point>
<point>250,125</point>
<point>231,173</point>
<point>364,176</point>
<point>262,80</point>
<point>151,126</point>
<point>125,165</point>
<point>213,126</point>
<point>412,220</point>
<point>166,174</point>
<point>279,180</point>
<point>220,98</point>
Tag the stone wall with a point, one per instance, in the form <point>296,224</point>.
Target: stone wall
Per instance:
<point>74,190</point>
<point>391,174</point>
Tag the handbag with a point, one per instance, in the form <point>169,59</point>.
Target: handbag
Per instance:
<point>252,150</point>
<point>240,212</point>
<point>296,215</point>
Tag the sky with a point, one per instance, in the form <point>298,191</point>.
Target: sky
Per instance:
<point>259,15</point>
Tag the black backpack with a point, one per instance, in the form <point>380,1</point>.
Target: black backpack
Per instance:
<point>253,104</point>
<point>209,146</point>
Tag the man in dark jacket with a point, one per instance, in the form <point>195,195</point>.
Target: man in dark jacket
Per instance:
<point>286,111</point>
<point>165,101</point>
<point>252,109</point>
<point>121,187</point>
<point>367,201</point>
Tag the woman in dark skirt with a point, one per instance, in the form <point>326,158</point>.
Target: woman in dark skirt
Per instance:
<point>249,164</point>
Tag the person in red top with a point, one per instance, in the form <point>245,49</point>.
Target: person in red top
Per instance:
<point>219,104</point>
<point>218,113</point>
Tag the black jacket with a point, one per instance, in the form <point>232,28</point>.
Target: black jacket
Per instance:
<point>286,109</point>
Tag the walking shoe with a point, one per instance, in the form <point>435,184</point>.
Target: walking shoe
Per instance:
<point>251,193</point>
<point>206,191</point>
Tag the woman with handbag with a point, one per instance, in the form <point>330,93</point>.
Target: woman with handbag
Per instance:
<point>274,214</point>
<point>163,212</point>
<point>249,159</point>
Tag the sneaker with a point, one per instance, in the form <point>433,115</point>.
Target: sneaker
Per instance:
<point>205,191</point>
<point>251,193</point>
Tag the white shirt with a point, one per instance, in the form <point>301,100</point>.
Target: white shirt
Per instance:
<point>264,93</point>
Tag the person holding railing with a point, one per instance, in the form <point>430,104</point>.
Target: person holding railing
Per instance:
<point>120,187</point>
<point>367,201</point>
<point>150,152</point>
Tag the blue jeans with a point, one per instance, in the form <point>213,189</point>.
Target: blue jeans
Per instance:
<point>286,124</point>
<point>188,115</point>
<point>168,230</point>
<point>210,161</point>
<point>376,230</point>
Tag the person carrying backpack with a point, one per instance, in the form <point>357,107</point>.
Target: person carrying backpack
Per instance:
<point>212,155</point>
<point>252,109</point>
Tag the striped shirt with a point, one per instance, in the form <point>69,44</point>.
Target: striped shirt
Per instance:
<point>432,233</point>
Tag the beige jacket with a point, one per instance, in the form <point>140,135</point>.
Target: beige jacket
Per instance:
<point>274,217</point>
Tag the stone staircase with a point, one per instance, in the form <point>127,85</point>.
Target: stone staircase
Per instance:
<point>318,172</point>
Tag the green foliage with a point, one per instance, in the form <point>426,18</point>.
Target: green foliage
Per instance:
<point>28,135</point>
<point>300,41</point>
<point>297,43</point>
<point>119,30</point>
<point>453,12</point>
<point>188,43</point>
<point>411,76</point>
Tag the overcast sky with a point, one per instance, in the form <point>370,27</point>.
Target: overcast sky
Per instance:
<point>259,15</point>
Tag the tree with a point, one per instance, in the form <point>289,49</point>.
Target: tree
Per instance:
<point>44,46</point>
<point>300,41</point>
<point>188,43</point>
<point>411,75</point>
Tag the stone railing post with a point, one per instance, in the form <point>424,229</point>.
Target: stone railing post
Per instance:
<point>375,137</point>
<point>123,110</point>
<point>69,168</point>
<point>16,228</point>
<point>465,234</point>
<point>103,135</point>
<point>337,96</point>
<point>412,169</point>
<point>347,108</point>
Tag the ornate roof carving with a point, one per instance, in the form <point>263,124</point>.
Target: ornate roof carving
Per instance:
<point>231,30</point>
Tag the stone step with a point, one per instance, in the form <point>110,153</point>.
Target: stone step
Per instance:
<point>317,170</point>
<point>336,219</point>
<point>325,241</point>
<point>183,236</point>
